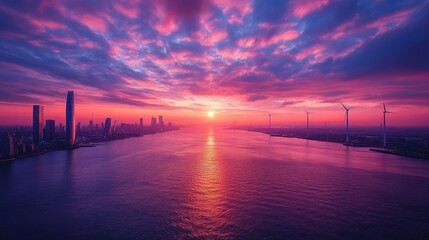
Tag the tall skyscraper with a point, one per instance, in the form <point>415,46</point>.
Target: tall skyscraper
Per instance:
<point>153,122</point>
<point>91,126</point>
<point>38,118</point>
<point>70,119</point>
<point>108,127</point>
<point>49,130</point>
<point>161,121</point>
<point>141,122</point>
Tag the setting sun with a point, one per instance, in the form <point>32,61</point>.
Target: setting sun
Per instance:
<point>210,114</point>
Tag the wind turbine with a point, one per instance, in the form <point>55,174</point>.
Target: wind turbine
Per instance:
<point>347,122</point>
<point>269,120</point>
<point>384,125</point>
<point>308,122</point>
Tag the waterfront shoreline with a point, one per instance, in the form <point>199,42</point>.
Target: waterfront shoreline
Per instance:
<point>84,145</point>
<point>419,155</point>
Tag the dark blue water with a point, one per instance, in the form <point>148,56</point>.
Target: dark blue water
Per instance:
<point>214,183</point>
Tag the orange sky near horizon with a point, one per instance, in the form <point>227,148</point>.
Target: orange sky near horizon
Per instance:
<point>332,116</point>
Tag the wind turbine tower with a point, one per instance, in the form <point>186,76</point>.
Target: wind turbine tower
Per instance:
<point>347,123</point>
<point>308,123</point>
<point>269,120</point>
<point>384,125</point>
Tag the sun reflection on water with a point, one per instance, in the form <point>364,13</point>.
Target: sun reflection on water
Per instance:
<point>205,210</point>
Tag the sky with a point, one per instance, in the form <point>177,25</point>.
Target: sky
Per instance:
<point>239,59</point>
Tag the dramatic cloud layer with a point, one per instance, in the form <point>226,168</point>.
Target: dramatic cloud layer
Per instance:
<point>230,56</point>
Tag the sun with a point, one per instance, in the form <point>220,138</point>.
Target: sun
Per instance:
<point>210,114</point>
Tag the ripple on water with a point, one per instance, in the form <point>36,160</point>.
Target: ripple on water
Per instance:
<point>215,184</point>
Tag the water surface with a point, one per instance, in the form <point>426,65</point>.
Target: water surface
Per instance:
<point>215,183</point>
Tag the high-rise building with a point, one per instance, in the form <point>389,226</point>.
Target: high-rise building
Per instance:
<point>49,130</point>
<point>38,118</point>
<point>61,129</point>
<point>108,127</point>
<point>7,145</point>
<point>79,129</point>
<point>153,122</point>
<point>91,126</point>
<point>141,122</point>
<point>20,145</point>
<point>70,119</point>
<point>161,121</point>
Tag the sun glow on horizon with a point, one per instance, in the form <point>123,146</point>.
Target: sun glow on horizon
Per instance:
<point>210,114</point>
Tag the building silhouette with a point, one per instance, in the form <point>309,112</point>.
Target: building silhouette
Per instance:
<point>91,126</point>
<point>153,122</point>
<point>38,118</point>
<point>7,145</point>
<point>61,129</point>
<point>108,127</point>
<point>141,122</point>
<point>161,121</point>
<point>19,145</point>
<point>70,119</point>
<point>49,130</point>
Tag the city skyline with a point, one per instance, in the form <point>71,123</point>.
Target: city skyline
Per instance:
<point>38,123</point>
<point>26,141</point>
<point>237,59</point>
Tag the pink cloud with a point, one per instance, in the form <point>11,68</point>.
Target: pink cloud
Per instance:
<point>167,26</point>
<point>129,10</point>
<point>86,44</point>
<point>247,42</point>
<point>172,14</point>
<point>390,22</point>
<point>44,23</point>
<point>93,22</point>
<point>284,36</point>
<point>383,24</point>
<point>210,34</point>
<point>235,10</point>
<point>316,51</point>
<point>304,7</point>
<point>64,39</point>
<point>115,51</point>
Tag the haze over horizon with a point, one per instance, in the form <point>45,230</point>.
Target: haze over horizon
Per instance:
<point>239,59</point>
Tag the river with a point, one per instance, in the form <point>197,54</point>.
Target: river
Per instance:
<point>213,183</point>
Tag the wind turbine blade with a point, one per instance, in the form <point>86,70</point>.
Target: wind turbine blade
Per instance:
<point>384,106</point>
<point>344,106</point>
